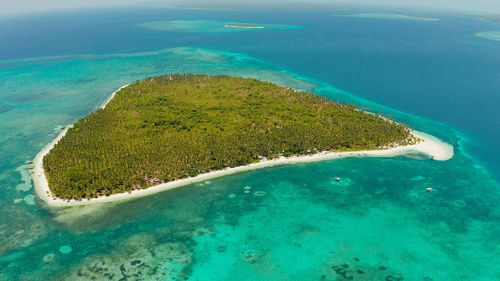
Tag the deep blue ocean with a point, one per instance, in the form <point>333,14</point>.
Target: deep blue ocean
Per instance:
<point>377,224</point>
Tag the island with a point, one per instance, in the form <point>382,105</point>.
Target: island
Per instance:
<point>172,130</point>
<point>213,26</point>
<point>242,26</point>
<point>390,16</point>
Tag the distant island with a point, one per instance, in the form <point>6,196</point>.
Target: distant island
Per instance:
<point>389,16</point>
<point>487,17</point>
<point>172,130</point>
<point>242,26</point>
<point>213,26</point>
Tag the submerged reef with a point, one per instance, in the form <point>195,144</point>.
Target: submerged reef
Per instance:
<point>20,234</point>
<point>490,35</point>
<point>141,257</point>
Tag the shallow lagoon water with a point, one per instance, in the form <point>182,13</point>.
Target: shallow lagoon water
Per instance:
<point>491,35</point>
<point>294,223</point>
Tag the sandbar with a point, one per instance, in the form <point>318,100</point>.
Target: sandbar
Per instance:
<point>242,26</point>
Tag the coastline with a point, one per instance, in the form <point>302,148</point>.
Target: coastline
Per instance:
<point>243,26</point>
<point>103,105</point>
<point>430,146</point>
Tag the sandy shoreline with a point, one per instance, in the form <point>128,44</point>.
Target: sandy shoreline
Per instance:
<point>243,26</point>
<point>431,146</point>
<point>103,105</point>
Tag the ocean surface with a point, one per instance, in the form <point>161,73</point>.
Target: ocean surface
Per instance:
<point>284,223</point>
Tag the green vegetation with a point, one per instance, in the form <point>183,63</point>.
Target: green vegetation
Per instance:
<point>170,127</point>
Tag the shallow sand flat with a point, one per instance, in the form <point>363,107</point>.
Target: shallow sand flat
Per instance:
<point>390,16</point>
<point>491,35</point>
<point>430,146</point>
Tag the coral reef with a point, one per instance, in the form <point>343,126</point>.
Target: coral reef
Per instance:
<point>140,257</point>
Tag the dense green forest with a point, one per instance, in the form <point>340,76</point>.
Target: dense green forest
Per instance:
<point>175,126</point>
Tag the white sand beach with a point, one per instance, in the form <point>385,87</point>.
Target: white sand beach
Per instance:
<point>103,105</point>
<point>243,26</point>
<point>431,146</point>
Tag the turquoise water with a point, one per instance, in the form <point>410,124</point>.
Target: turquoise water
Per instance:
<point>491,35</point>
<point>283,223</point>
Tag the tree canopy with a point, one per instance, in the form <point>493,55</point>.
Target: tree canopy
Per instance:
<point>170,127</point>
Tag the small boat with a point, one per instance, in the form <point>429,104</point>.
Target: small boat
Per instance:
<point>336,179</point>
<point>429,189</point>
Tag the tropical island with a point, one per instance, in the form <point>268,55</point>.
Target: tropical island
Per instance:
<point>212,26</point>
<point>173,130</point>
<point>242,26</point>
